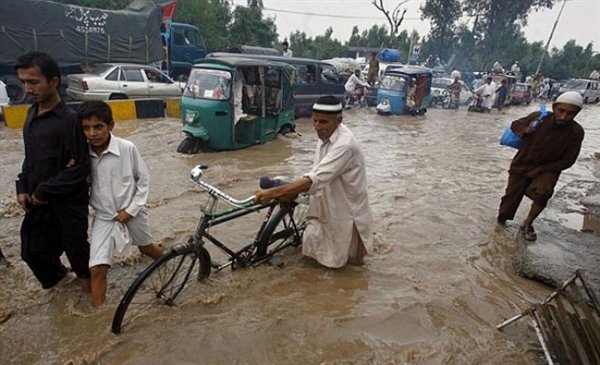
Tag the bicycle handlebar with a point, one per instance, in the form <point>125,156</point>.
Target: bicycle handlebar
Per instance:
<point>196,177</point>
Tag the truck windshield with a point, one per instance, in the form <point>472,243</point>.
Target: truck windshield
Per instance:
<point>208,84</point>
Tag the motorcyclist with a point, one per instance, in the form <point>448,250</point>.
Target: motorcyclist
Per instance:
<point>353,82</point>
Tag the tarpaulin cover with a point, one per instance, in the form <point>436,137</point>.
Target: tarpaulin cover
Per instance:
<point>78,35</point>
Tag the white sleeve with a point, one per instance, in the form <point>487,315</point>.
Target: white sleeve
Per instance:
<point>142,183</point>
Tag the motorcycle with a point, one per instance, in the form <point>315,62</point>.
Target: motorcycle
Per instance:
<point>476,105</point>
<point>357,98</point>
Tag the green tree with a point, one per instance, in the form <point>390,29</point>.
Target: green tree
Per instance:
<point>497,23</point>
<point>325,47</point>
<point>443,14</point>
<point>250,28</point>
<point>376,36</point>
<point>212,17</point>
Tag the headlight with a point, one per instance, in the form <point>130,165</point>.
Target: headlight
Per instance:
<point>190,117</point>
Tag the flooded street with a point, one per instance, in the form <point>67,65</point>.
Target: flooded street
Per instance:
<point>438,282</point>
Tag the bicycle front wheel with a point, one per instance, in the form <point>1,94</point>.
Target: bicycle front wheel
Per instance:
<point>161,283</point>
<point>284,229</point>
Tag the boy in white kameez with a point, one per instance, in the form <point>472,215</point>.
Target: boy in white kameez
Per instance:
<point>120,182</point>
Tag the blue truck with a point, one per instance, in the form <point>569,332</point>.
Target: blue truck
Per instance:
<point>80,38</point>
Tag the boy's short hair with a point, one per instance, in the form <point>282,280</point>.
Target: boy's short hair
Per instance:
<point>95,108</point>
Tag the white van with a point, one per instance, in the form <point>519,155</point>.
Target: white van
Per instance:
<point>3,96</point>
<point>588,88</point>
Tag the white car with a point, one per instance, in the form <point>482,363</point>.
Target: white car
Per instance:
<point>4,100</point>
<point>114,81</point>
<point>439,86</point>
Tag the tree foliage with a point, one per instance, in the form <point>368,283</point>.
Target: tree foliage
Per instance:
<point>250,28</point>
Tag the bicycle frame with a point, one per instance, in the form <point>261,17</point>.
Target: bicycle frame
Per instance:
<point>243,256</point>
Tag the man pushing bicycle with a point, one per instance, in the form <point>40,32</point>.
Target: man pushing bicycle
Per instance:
<point>338,227</point>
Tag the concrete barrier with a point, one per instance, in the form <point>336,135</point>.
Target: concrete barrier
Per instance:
<point>15,115</point>
<point>172,108</point>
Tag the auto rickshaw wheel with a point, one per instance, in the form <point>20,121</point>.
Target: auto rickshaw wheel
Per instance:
<point>191,146</point>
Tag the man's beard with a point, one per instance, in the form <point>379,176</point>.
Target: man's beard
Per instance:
<point>561,123</point>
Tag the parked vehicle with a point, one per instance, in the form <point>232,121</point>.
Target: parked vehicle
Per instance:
<point>4,100</point>
<point>521,94</point>
<point>122,81</point>
<point>439,91</point>
<point>391,96</point>
<point>235,102</point>
<point>588,88</point>
<point>80,38</point>
<point>312,79</point>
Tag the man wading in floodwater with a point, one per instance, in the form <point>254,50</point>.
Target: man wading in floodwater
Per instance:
<point>52,186</point>
<point>544,154</point>
<point>338,227</point>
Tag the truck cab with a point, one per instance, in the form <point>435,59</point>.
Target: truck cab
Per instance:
<point>185,45</point>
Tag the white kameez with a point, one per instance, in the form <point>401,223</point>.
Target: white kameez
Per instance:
<point>338,200</point>
<point>489,94</point>
<point>120,181</point>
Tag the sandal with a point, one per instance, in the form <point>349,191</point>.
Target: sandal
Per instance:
<point>528,233</point>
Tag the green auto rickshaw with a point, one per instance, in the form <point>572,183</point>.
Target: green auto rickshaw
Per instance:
<point>234,102</point>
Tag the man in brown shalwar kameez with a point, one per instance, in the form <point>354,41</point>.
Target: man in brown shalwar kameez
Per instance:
<point>546,151</point>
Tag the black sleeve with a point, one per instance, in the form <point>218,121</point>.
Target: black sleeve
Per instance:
<point>22,176</point>
<point>70,180</point>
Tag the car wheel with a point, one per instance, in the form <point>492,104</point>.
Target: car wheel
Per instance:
<point>117,97</point>
<point>433,102</point>
<point>14,89</point>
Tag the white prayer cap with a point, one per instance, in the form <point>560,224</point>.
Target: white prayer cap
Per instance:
<point>570,97</point>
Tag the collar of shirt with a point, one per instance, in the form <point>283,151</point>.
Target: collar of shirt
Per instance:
<point>113,147</point>
<point>59,109</point>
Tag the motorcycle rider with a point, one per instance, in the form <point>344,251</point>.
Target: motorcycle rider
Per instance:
<point>353,82</point>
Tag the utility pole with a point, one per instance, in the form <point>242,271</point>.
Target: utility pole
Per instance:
<point>550,38</point>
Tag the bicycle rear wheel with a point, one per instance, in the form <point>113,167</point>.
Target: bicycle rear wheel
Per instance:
<point>161,283</point>
<point>284,229</point>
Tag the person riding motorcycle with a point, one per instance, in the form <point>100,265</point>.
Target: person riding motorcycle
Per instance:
<point>353,82</point>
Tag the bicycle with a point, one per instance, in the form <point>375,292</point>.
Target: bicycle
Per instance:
<point>164,280</point>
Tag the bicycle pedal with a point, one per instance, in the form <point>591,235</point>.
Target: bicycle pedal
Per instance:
<point>276,262</point>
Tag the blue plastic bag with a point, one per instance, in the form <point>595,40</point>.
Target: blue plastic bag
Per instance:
<point>510,139</point>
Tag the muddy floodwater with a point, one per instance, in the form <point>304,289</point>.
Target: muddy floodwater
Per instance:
<point>438,282</point>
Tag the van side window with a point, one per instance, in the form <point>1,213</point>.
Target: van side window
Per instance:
<point>329,74</point>
<point>305,74</point>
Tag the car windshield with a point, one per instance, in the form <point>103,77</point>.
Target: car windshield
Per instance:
<point>520,87</point>
<point>208,84</point>
<point>393,82</point>
<point>101,69</point>
<point>440,83</point>
<point>575,85</point>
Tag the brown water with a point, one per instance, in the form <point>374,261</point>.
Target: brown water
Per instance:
<point>439,281</point>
